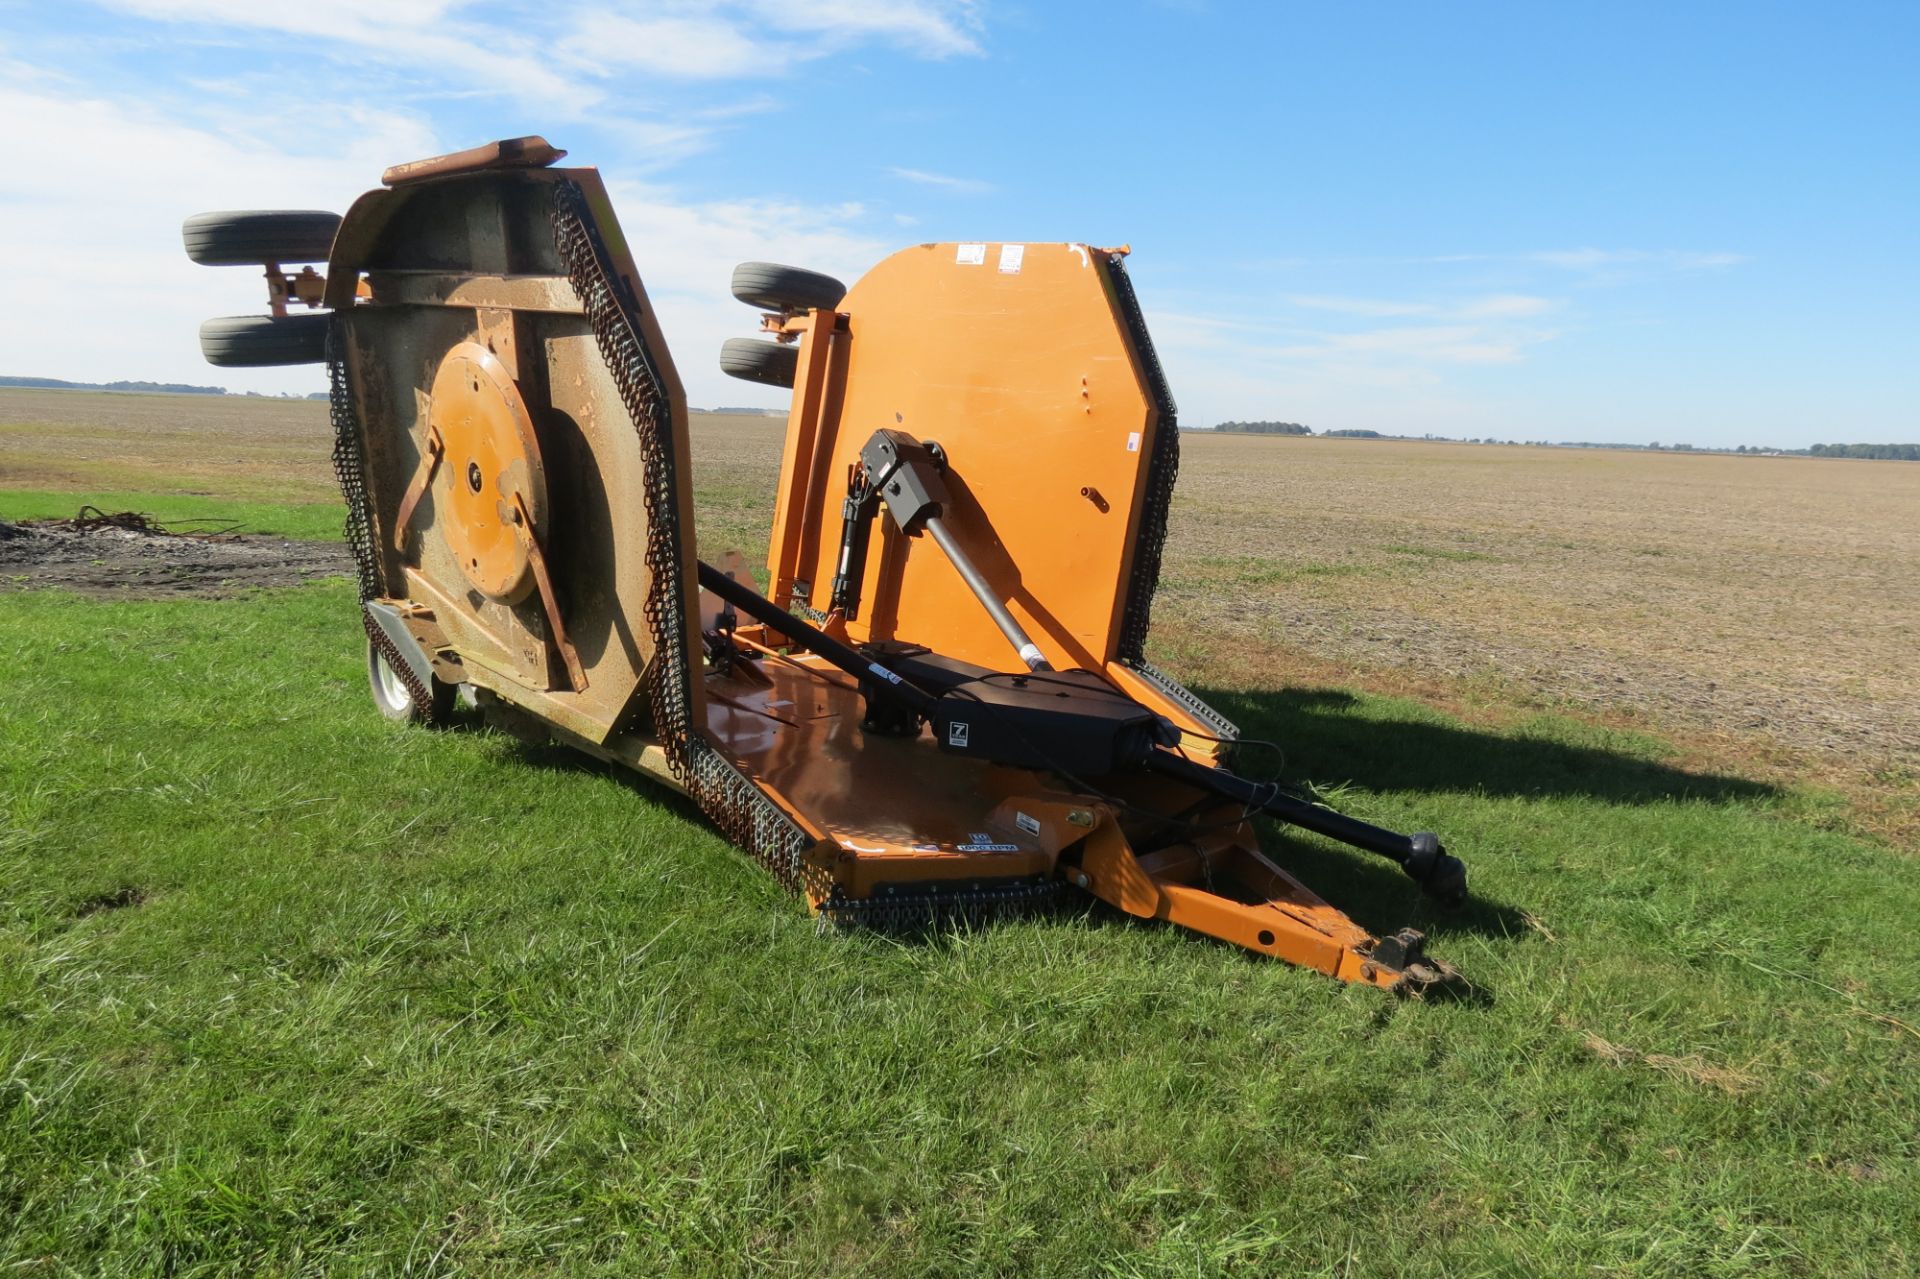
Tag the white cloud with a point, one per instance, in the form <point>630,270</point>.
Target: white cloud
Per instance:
<point>1590,260</point>
<point>965,186</point>
<point>563,57</point>
<point>1501,306</point>
<point>686,252</point>
<point>425,37</point>
<point>930,29</point>
<point>1395,369</point>
<point>94,241</point>
<point>1251,346</point>
<point>655,144</point>
<point>1433,343</point>
<point>103,290</point>
<point>1396,363</point>
<point>292,15</point>
<point>751,39</point>
<point>690,48</point>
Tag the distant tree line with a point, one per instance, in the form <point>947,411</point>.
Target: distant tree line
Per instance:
<point>60,384</point>
<point>1294,428</point>
<point>1266,428</point>
<point>1880,452</point>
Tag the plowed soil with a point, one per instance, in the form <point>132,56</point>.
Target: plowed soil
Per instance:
<point>1772,597</point>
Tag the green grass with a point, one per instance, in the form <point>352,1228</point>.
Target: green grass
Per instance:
<point>287,990</point>
<point>1256,570</point>
<point>305,521</point>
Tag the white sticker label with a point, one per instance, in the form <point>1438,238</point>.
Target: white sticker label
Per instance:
<point>979,837</point>
<point>989,848</point>
<point>957,734</point>
<point>1011,256</point>
<point>971,255</point>
<point>1133,441</point>
<point>1031,825</point>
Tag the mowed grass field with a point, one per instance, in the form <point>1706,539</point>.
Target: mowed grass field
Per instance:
<point>287,990</point>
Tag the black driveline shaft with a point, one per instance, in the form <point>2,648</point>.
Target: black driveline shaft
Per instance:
<point>763,610</point>
<point>1420,855</point>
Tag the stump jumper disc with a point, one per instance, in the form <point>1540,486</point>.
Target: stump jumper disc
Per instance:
<point>491,455</point>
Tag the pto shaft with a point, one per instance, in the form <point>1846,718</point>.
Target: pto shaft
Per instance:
<point>1421,856</point>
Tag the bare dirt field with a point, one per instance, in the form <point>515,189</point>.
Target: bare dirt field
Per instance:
<point>126,563</point>
<point>263,450</point>
<point>1767,596</point>
<point>1765,599</point>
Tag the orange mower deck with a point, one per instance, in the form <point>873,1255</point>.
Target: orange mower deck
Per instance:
<point>941,709</point>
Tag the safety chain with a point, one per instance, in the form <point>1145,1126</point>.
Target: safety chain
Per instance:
<point>1163,467</point>
<point>1174,690</point>
<point>742,812</point>
<point>350,460</point>
<point>420,695</point>
<point>350,470</point>
<point>916,911</point>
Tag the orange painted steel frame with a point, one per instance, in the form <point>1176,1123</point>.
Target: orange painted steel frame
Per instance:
<point>1016,359</point>
<point>1026,378</point>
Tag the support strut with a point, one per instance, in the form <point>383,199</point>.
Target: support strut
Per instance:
<point>983,591</point>
<point>856,532</point>
<point>908,476</point>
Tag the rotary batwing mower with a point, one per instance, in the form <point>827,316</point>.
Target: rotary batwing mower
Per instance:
<point>941,709</point>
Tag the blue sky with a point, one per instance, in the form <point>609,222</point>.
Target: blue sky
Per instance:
<point>1689,222</point>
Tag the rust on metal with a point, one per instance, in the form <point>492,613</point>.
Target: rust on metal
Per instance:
<point>417,486</point>
<point>530,152</point>
<point>523,527</point>
<point>493,467</point>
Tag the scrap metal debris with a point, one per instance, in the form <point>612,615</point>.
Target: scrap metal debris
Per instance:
<point>91,519</point>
